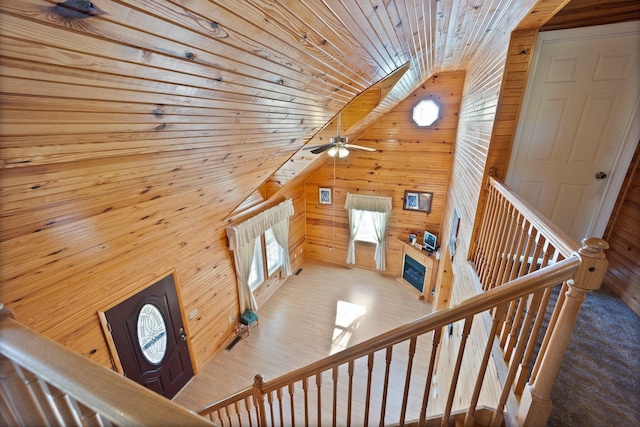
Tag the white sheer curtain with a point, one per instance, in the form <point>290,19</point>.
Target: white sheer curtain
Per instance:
<point>355,219</point>
<point>380,220</point>
<point>281,234</point>
<point>380,207</point>
<point>242,242</point>
<point>243,257</point>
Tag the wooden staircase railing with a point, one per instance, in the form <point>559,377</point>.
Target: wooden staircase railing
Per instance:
<point>43,383</point>
<point>519,258</point>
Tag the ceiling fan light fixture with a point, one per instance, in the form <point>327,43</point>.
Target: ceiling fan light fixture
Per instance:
<point>339,151</point>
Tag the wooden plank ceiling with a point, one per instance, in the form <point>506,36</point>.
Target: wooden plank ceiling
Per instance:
<point>244,84</point>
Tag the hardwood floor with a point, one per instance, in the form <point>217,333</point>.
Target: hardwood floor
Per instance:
<point>312,315</point>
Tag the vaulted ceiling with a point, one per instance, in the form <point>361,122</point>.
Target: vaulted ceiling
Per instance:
<point>244,84</point>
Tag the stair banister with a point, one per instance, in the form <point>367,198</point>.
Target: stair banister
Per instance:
<point>61,387</point>
<point>535,404</point>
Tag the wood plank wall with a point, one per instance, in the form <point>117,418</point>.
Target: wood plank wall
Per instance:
<point>623,236</point>
<point>408,158</point>
<point>113,177</point>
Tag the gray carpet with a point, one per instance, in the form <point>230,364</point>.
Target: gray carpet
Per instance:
<point>599,382</point>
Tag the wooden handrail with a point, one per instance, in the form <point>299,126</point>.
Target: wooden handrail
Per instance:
<point>519,257</point>
<point>561,240</point>
<point>105,392</point>
<point>541,279</point>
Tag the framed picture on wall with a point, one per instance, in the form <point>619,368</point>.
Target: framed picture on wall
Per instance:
<point>417,201</point>
<point>453,235</point>
<point>324,196</point>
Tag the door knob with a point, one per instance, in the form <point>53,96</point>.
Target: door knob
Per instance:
<point>601,175</point>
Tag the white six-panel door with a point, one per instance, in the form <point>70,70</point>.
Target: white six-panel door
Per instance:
<point>577,115</point>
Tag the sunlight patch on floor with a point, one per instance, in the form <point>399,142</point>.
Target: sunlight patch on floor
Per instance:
<point>348,317</point>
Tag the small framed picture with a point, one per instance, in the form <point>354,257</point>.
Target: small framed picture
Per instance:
<point>411,201</point>
<point>417,201</point>
<point>324,196</point>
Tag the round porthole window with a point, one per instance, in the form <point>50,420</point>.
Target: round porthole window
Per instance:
<point>426,112</point>
<point>152,334</point>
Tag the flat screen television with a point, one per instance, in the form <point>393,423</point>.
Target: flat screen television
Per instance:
<point>429,241</point>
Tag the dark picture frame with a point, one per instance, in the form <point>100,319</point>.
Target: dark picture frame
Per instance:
<point>419,201</point>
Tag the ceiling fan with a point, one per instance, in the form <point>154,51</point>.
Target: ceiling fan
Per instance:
<point>337,146</point>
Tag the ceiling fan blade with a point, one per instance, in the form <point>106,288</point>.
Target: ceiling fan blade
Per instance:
<point>322,148</point>
<point>359,147</point>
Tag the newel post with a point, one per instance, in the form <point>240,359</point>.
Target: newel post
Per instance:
<point>258,398</point>
<point>535,404</point>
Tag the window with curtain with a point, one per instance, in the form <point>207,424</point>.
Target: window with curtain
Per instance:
<point>368,219</point>
<point>260,247</point>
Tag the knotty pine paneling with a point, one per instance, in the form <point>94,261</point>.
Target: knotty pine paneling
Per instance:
<point>584,13</point>
<point>623,235</point>
<point>408,158</point>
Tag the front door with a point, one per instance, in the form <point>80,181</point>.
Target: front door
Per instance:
<point>150,338</point>
<point>576,116</point>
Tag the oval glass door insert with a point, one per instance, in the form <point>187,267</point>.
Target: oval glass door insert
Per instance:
<point>152,334</point>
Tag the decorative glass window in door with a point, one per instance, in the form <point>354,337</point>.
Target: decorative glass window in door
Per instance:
<point>152,334</point>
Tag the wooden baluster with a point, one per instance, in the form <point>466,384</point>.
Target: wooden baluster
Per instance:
<point>535,404</point>
<point>480,247</point>
<point>258,399</point>
<point>492,242</point>
<point>549,332</point>
<point>513,334</point>
<point>530,234</point>
<point>6,413</point>
<point>385,387</point>
<point>516,243</point>
<point>38,394</point>
<point>368,393</point>
<point>305,390</point>
<point>279,394</point>
<point>334,376</point>
<point>407,380</point>
<point>506,251</point>
<point>525,365</point>
<point>19,398</point>
<point>485,232</point>
<point>271,414</point>
<point>319,397</point>
<point>532,303</point>
<point>236,407</point>
<point>499,315</point>
<point>468,321</point>
<point>292,404</point>
<point>507,324</point>
<point>87,416</point>
<point>496,246</point>
<point>437,335</point>
<point>350,398</point>
<point>248,404</point>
